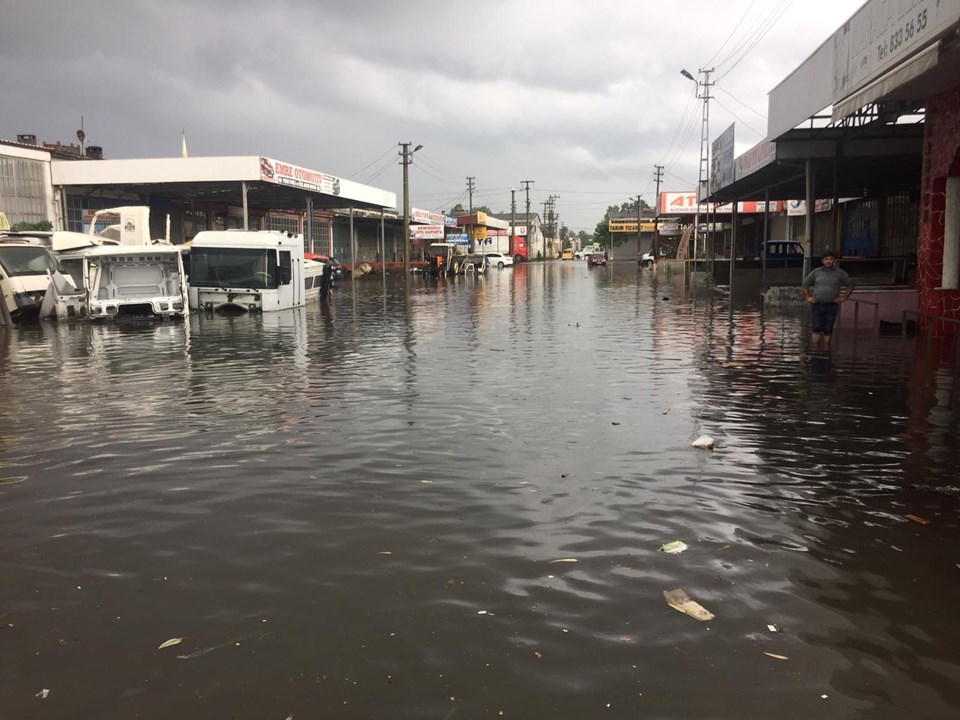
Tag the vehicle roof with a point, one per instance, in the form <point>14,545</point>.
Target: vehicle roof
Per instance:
<point>246,238</point>
<point>133,250</point>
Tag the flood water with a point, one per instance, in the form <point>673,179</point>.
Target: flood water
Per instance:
<point>452,506</point>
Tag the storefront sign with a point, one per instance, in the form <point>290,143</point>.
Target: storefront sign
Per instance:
<point>675,203</point>
<point>628,226</point>
<point>426,232</point>
<point>281,173</point>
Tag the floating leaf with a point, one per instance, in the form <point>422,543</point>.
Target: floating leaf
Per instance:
<point>170,642</point>
<point>774,655</point>
<point>679,600</point>
<point>673,548</point>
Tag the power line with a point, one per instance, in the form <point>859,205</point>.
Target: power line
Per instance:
<point>778,10</point>
<point>354,174</point>
<point>736,99</point>
<point>735,27</point>
<point>386,166</point>
<point>742,121</point>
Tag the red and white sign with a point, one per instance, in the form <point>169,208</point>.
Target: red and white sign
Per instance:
<point>685,203</point>
<point>281,173</point>
<point>426,232</point>
<point>426,217</point>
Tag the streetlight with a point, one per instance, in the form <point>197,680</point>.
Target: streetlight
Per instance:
<point>407,158</point>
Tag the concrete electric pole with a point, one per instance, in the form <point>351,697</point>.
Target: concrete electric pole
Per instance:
<point>406,155</point>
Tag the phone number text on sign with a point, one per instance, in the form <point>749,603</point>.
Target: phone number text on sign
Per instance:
<point>904,34</point>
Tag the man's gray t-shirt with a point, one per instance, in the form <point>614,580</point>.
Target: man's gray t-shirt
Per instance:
<point>826,283</point>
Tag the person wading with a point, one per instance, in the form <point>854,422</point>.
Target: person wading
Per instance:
<point>825,289</point>
<point>326,281</point>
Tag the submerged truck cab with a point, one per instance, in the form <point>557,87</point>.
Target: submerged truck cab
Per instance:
<point>24,277</point>
<point>250,271</point>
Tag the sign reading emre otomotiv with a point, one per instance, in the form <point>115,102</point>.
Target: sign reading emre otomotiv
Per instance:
<point>281,173</point>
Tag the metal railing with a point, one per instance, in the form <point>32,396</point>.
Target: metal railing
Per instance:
<point>856,316</point>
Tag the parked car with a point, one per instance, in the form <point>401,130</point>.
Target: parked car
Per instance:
<point>499,259</point>
<point>784,250</point>
<point>596,259</point>
<point>335,265</point>
<point>566,254</point>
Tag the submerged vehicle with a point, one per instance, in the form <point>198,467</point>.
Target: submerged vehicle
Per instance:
<point>135,281</point>
<point>250,271</point>
<point>25,271</point>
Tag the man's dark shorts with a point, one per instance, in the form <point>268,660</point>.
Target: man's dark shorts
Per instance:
<point>822,317</point>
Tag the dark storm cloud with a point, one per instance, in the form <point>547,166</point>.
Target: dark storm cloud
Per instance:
<point>578,96</point>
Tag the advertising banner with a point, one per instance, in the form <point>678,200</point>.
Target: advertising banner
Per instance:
<point>721,160</point>
<point>281,173</point>
<point>678,203</point>
<point>627,226</point>
<point>426,232</point>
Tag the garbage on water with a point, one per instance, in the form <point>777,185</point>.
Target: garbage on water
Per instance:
<point>679,600</point>
<point>774,655</point>
<point>673,548</point>
<point>704,441</point>
<point>43,694</point>
<point>170,642</point>
<point>563,560</point>
<point>773,628</point>
<point>917,519</point>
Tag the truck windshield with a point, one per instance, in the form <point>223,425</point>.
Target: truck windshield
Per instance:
<point>253,268</point>
<point>26,260</point>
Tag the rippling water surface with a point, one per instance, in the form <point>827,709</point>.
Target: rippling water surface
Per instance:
<point>451,506</point>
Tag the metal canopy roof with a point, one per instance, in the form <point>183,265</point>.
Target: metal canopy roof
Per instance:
<point>217,180</point>
<point>862,161</point>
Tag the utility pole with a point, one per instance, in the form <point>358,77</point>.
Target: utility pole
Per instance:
<point>703,93</point>
<point>513,218</point>
<point>526,184</point>
<point>471,186</point>
<point>406,155</point>
<point>657,176</point>
<point>639,224</point>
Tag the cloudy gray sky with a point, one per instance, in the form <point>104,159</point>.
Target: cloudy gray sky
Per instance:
<point>583,98</point>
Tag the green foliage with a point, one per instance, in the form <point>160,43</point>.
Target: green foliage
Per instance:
<point>456,211</point>
<point>42,226</point>
<point>602,232</point>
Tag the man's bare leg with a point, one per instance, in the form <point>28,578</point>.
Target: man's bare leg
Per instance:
<point>816,337</point>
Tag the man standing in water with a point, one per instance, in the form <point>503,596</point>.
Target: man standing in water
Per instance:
<point>825,298</point>
<point>326,281</point>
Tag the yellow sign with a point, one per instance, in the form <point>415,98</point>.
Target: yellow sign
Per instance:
<point>479,232</point>
<point>627,226</point>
